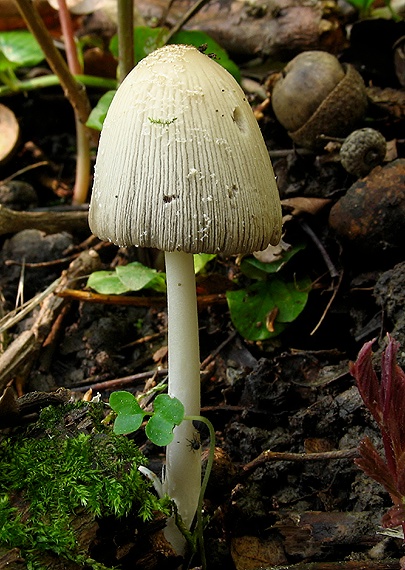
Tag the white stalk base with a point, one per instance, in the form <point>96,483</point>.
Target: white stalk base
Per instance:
<point>183,463</point>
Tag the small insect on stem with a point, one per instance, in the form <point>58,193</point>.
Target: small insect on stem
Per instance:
<point>195,443</point>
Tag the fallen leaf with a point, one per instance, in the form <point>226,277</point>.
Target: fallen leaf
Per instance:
<point>9,133</point>
<point>303,205</point>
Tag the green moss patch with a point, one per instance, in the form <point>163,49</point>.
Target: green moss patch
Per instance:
<point>52,473</point>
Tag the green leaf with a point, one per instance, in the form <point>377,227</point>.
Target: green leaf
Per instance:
<point>167,412</point>
<point>159,430</point>
<point>292,298</point>
<point>362,5</point>
<point>169,407</point>
<point>125,278</point>
<point>250,307</point>
<point>124,402</point>
<point>97,115</point>
<point>107,283</point>
<point>19,49</point>
<point>146,40</point>
<point>136,276</point>
<point>127,424</point>
<point>201,260</point>
<point>197,39</point>
<point>129,413</point>
<point>158,283</point>
<point>255,269</point>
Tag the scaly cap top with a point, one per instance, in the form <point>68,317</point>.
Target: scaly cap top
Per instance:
<point>182,164</point>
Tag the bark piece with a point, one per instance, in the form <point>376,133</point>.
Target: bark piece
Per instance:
<point>11,559</point>
<point>341,565</point>
<point>370,218</point>
<point>307,534</point>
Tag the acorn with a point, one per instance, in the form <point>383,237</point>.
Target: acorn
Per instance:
<point>317,95</point>
<point>362,150</point>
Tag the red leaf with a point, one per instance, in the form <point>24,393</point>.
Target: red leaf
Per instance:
<point>401,474</point>
<point>393,398</point>
<point>373,465</point>
<point>367,382</point>
<point>386,402</point>
<point>395,516</point>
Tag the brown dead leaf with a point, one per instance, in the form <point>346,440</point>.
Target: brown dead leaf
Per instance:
<point>250,552</point>
<point>392,151</point>
<point>270,318</point>
<point>11,18</point>
<point>303,205</point>
<point>160,354</point>
<point>389,100</point>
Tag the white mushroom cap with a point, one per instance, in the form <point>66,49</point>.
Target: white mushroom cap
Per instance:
<point>182,164</point>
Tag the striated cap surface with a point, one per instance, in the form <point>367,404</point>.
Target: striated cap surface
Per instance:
<point>182,164</point>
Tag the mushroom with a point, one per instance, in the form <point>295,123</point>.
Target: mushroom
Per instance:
<point>182,167</point>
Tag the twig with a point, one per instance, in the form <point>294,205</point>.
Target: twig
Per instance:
<point>12,221</point>
<point>267,456</point>
<point>21,354</point>
<point>125,38</point>
<point>146,338</point>
<point>97,298</point>
<point>215,352</point>
<point>329,264</point>
<point>286,152</point>
<point>328,306</point>
<point>90,297</point>
<point>73,90</point>
<point>124,381</point>
<point>40,264</point>
<point>82,179</point>
<point>15,316</point>
<point>185,18</point>
<point>23,170</point>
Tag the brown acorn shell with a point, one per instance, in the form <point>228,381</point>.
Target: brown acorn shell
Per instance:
<point>338,114</point>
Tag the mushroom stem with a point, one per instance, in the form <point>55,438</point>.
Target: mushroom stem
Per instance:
<point>183,463</point>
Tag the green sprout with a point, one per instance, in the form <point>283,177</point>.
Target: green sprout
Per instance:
<point>167,413</point>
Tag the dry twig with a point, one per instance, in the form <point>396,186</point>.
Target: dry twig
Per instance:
<point>21,354</point>
<point>268,455</point>
<point>48,222</point>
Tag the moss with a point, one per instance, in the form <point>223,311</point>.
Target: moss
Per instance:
<point>52,471</point>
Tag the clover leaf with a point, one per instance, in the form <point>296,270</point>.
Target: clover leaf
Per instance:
<point>129,413</point>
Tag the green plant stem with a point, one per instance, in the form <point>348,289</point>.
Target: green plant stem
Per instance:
<point>73,90</point>
<point>82,180</point>
<point>52,80</point>
<point>68,38</point>
<point>9,78</point>
<point>208,468</point>
<point>125,38</point>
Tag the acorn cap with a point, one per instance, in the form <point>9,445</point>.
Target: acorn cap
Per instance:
<point>182,164</point>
